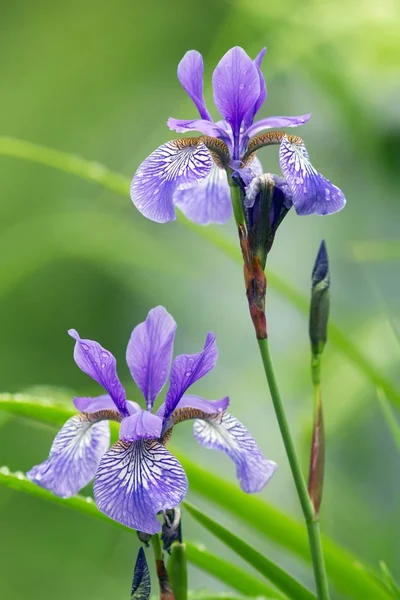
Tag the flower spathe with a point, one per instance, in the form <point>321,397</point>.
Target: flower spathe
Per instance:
<point>138,477</point>
<point>191,173</point>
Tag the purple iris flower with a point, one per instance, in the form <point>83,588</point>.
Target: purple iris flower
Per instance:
<point>194,173</point>
<point>138,477</point>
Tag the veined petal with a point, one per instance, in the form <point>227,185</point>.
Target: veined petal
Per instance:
<point>209,201</point>
<point>74,456</point>
<point>139,426</point>
<point>311,192</point>
<point>141,587</point>
<point>205,127</point>
<point>263,90</point>
<point>190,74</point>
<point>136,480</point>
<point>149,352</point>
<point>178,163</point>
<point>236,87</point>
<point>274,122</point>
<point>91,405</point>
<point>100,364</point>
<point>188,368</point>
<point>226,433</point>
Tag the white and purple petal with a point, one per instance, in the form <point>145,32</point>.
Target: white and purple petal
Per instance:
<point>209,201</point>
<point>187,369</point>
<point>139,426</point>
<point>74,456</point>
<point>149,352</point>
<point>178,163</point>
<point>274,122</point>
<point>311,192</point>
<point>190,75</point>
<point>136,480</point>
<point>100,364</point>
<point>227,434</point>
<point>236,87</point>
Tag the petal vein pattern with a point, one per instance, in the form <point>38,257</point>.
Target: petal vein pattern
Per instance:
<point>312,193</point>
<point>74,456</point>
<point>227,434</point>
<point>179,163</point>
<point>135,481</point>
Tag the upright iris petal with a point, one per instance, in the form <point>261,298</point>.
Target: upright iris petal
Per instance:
<point>311,192</point>
<point>188,368</point>
<point>224,432</point>
<point>149,352</point>
<point>74,456</point>
<point>176,164</point>
<point>100,364</point>
<point>190,74</point>
<point>236,86</point>
<point>136,480</point>
<point>263,90</point>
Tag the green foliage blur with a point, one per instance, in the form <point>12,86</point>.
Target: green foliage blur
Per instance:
<point>98,79</point>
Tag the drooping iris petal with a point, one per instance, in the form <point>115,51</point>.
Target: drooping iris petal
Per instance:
<point>136,480</point>
<point>74,456</point>
<point>141,587</point>
<point>263,90</point>
<point>229,435</point>
<point>236,87</point>
<point>190,74</point>
<point>273,122</point>
<point>139,426</point>
<point>209,201</point>
<point>100,364</point>
<point>188,368</point>
<point>205,127</point>
<point>91,405</point>
<point>311,192</point>
<point>149,352</point>
<point>179,163</point>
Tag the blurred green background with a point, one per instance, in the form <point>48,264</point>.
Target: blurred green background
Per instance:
<point>98,79</point>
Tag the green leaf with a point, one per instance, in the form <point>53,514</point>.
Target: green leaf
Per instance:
<point>98,173</point>
<point>346,571</point>
<point>389,580</point>
<point>225,571</point>
<point>390,418</point>
<point>233,576</point>
<point>277,576</point>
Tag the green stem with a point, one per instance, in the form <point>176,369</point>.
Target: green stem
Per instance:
<point>177,571</point>
<point>314,534</point>
<point>236,203</point>
<point>156,545</point>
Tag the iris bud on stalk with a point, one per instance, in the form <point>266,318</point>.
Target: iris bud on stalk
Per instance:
<point>141,578</point>
<point>319,312</point>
